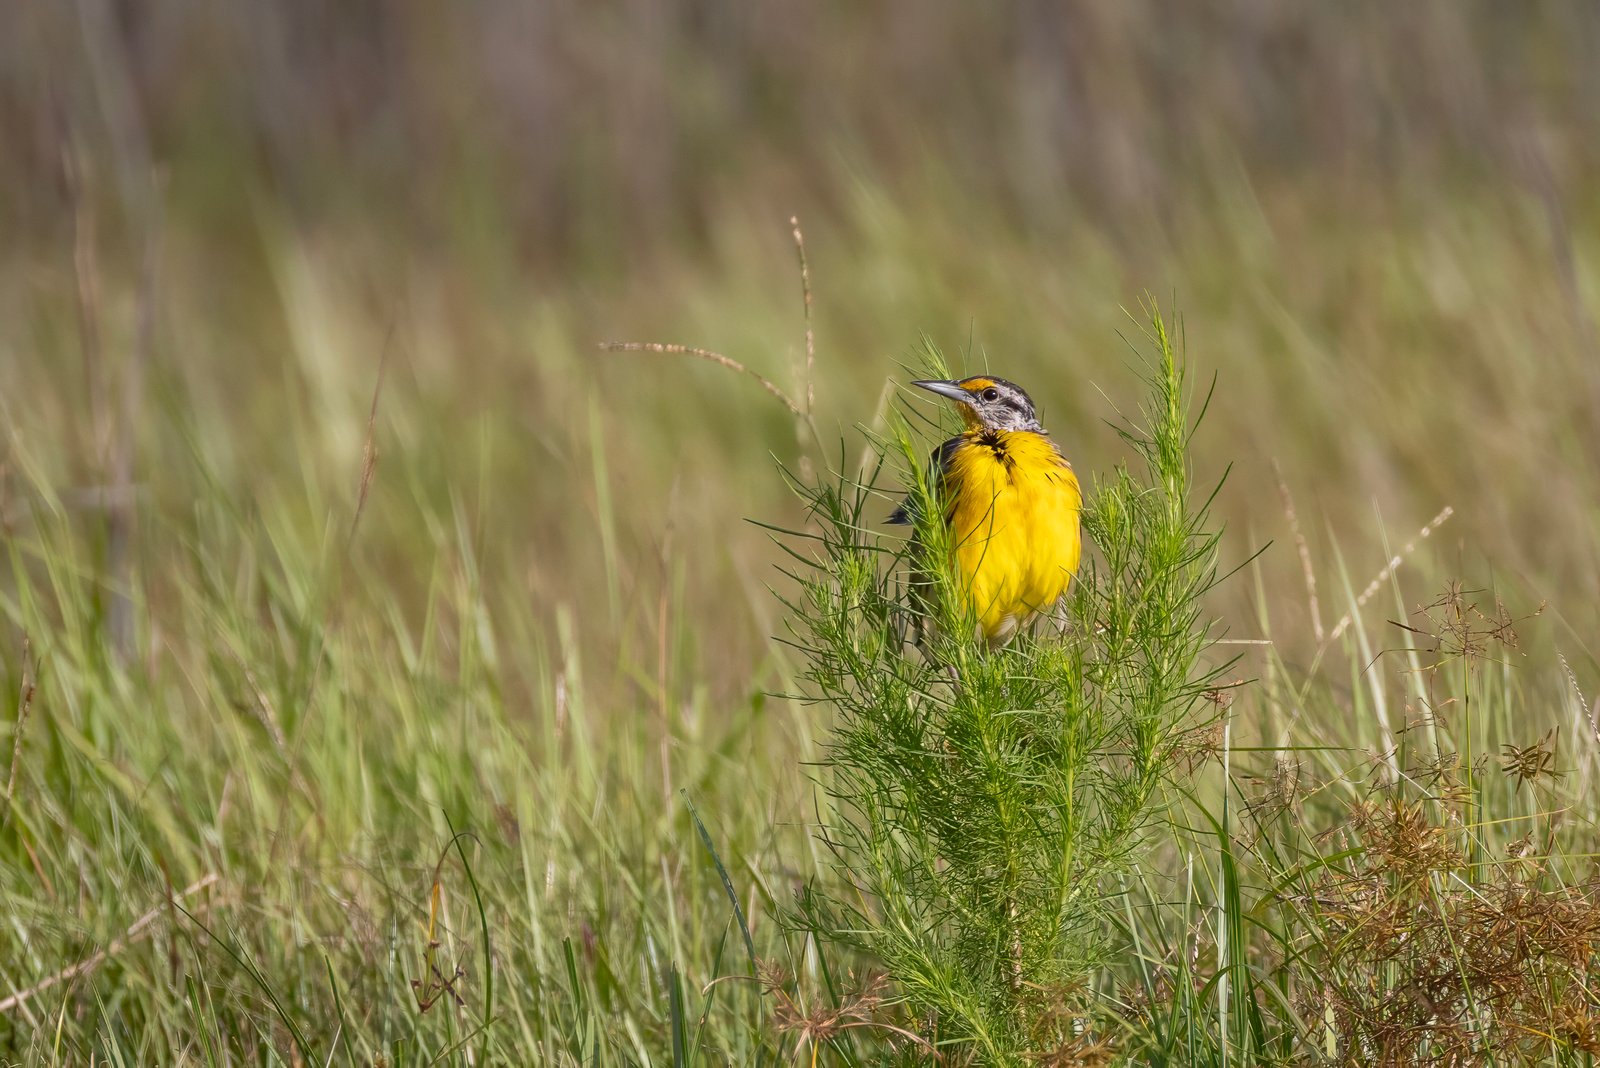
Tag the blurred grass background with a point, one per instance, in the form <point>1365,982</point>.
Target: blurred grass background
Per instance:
<point>1377,222</point>
<point>221,220</point>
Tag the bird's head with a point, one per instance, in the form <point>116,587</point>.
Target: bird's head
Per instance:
<point>988,403</point>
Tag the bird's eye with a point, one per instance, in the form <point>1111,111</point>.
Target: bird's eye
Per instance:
<point>991,394</point>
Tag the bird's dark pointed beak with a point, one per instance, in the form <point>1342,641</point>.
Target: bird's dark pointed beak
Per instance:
<point>953,390</point>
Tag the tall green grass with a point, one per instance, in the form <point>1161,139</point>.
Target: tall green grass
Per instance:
<point>481,721</point>
<point>294,832</point>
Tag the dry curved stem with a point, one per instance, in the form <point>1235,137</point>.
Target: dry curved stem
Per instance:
<point>369,444</point>
<point>706,354</point>
<point>1304,551</point>
<point>115,946</point>
<point>1388,569</point>
<point>805,290</point>
<point>803,412</point>
<point>24,706</point>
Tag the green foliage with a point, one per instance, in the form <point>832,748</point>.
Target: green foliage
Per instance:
<point>982,798</point>
<point>536,639</point>
<point>293,834</point>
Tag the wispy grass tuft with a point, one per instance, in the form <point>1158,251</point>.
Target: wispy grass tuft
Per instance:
<point>981,798</point>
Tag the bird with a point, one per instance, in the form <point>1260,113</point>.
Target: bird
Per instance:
<point>1011,503</point>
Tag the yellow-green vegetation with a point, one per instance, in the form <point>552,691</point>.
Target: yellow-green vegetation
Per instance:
<point>394,675</point>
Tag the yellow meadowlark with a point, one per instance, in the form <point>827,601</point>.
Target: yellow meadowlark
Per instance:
<point>1011,503</point>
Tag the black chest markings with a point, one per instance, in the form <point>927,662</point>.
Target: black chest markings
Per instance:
<point>991,440</point>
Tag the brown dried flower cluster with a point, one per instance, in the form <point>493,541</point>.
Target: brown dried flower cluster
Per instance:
<point>1065,1037</point>
<point>1418,965</point>
<point>1457,628</point>
<point>822,1023</point>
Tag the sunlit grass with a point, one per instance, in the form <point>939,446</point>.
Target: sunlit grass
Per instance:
<point>551,633</point>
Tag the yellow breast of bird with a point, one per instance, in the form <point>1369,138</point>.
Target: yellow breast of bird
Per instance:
<point>1012,504</point>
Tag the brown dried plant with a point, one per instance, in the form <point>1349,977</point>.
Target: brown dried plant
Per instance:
<point>1084,1051</point>
<point>1201,743</point>
<point>1529,764</point>
<point>1444,778</point>
<point>1065,1037</point>
<point>1460,628</point>
<point>1272,796</point>
<point>822,1023</point>
<point>1416,965</point>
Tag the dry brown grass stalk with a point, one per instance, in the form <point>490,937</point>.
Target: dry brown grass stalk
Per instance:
<point>713,357</point>
<point>369,442</point>
<point>132,934</point>
<point>800,410</point>
<point>1304,551</point>
<point>805,290</point>
<point>24,706</point>
<point>1389,569</point>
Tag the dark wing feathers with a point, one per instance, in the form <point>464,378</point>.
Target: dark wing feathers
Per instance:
<point>938,464</point>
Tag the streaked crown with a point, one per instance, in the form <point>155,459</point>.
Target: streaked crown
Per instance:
<point>988,402</point>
